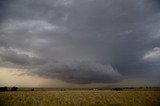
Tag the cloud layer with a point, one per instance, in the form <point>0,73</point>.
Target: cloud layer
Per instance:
<point>153,55</point>
<point>81,72</point>
<point>81,41</point>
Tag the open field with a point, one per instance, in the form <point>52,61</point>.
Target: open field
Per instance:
<point>80,98</point>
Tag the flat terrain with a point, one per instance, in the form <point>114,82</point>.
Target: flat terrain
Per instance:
<point>80,98</point>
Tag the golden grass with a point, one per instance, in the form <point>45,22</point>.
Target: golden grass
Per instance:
<point>80,98</point>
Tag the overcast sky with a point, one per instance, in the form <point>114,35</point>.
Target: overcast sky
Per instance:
<point>80,43</point>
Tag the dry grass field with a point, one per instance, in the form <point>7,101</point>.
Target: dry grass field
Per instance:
<point>80,98</point>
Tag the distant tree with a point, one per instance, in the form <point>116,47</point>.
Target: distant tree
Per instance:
<point>14,89</point>
<point>2,89</point>
<point>117,89</point>
<point>32,89</point>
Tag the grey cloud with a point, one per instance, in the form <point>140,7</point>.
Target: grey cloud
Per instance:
<point>20,59</point>
<point>119,33</point>
<point>152,57</point>
<point>2,41</point>
<point>82,72</point>
<point>34,9</point>
<point>3,5</point>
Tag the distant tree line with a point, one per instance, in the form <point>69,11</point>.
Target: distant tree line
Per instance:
<point>130,88</point>
<point>14,89</point>
<point>3,89</point>
<point>117,89</point>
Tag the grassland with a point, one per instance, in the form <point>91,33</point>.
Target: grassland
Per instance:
<point>80,98</point>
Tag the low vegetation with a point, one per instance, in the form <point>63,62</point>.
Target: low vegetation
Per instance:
<point>80,98</point>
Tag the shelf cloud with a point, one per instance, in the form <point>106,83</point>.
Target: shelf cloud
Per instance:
<point>81,72</point>
<point>82,41</point>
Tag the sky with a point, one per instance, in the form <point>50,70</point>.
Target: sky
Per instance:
<point>79,43</point>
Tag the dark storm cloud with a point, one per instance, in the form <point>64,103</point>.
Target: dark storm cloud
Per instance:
<point>81,72</point>
<point>20,59</point>
<point>121,33</point>
<point>2,41</point>
<point>3,5</point>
